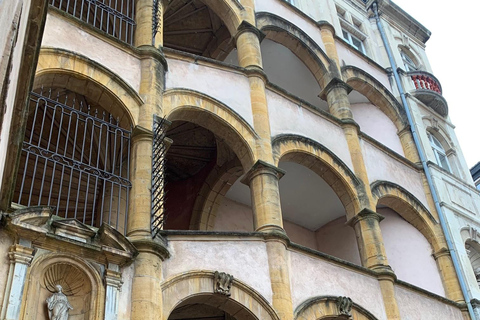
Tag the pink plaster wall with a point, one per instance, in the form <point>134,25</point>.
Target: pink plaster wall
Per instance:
<point>234,216</point>
<point>339,240</point>
<point>381,166</point>
<point>287,117</point>
<point>376,124</point>
<point>59,33</point>
<point>229,87</point>
<point>283,10</point>
<point>409,253</point>
<point>300,235</point>
<point>246,259</point>
<point>311,277</point>
<point>352,58</point>
<point>416,306</point>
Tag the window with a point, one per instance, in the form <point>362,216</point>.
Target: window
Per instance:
<point>354,41</point>
<point>408,62</point>
<point>439,152</point>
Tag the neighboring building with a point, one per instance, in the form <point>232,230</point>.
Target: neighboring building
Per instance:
<point>226,159</point>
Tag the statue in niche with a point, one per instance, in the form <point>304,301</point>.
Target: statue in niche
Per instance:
<point>58,305</point>
<point>223,283</point>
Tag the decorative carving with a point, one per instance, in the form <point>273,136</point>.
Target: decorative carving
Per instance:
<point>68,277</point>
<point>58,305</point>
<point>222,283</point>
<point>344,305</point>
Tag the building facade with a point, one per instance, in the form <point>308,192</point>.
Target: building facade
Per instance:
<point>229,159</point>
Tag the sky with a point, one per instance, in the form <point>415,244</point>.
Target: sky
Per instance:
<point>453,53</point>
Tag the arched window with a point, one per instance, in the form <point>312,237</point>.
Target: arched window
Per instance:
<point>408,62</point>
<point>439,152</point>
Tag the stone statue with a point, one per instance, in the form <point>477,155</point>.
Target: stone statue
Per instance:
<point>344,305</point>
<point>58,305</point>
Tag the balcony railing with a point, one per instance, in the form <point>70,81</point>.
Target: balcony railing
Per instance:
<point>423,80</point>
<point>429,91</point>
<point>115,17</point>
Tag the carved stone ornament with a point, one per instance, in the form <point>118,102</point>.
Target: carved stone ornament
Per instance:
<point>58,305</point>
<point>222,283</point>
<point>344,305</point>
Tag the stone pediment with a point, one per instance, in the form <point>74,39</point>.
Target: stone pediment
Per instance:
<point>48,231</point>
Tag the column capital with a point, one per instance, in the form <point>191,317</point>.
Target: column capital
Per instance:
<point>262,167</point>
<point>442,252</point>
<point>113,279</point>
<point>20,254</point>
<point>365,214</point>
<point>335,83</point>
<point>248,27</point>
<point>323,24</point>
<point>155,247</point>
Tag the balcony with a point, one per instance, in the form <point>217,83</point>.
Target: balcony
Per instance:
<point>429,91</point>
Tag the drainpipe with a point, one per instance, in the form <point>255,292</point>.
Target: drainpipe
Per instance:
<point>428,174</point>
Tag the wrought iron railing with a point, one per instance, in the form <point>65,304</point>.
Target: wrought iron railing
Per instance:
<point>115,17</point>
<point>424,80</point>
<point>158,175</point>
<point>76,160</point>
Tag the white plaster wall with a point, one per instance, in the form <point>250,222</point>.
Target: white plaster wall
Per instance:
<point>230,88</point>
<point>245,260</point>
<point>5,243</point>
<point>350,57</point>
<point>59,33</point>
<point>409,253</point>
<point>381,166</point>
<point>125,296</point>
<point>339,240</point>
<point>300,235</point>
<point>416,306</point>
<point>281,9</point>
<point>376,124</point>
<point>233,216</point>
<point>311,277</point>
<point>287,117</point>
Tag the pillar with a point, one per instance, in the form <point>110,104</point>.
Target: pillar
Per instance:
<point>263,176</point>
<point>20,257</point>
<point>113,282</point>
<point>146,300</point>
<point>448,275</point>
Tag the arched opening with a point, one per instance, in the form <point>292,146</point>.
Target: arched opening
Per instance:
<point>211,307</point>
<point>75,154</point>
<point>409,252</point>
<point>286,70</point>
<point>473,251</point>
<point>194,27</point>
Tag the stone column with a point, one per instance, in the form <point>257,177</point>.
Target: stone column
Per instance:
<point>263,177</point>
<point>408,145</point>
<point>448,275</point>
<point>327,32</point>
<point>367,222</point>
<point>20,258</point>
<point>146,299</point>
<point>263,181</point>
<point>113,282</point>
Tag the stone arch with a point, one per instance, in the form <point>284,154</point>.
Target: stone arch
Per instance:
<point>205,111</point>
<point>471,241</point>
<point>376,93</point>
<point>326,308</point>
<point>305,48</point>
<point>80,74</point>
<point>195,283</point>
<point>210,196</point>
<point>409,208</point>
<point>35,290</point>
<point>326,164</point>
